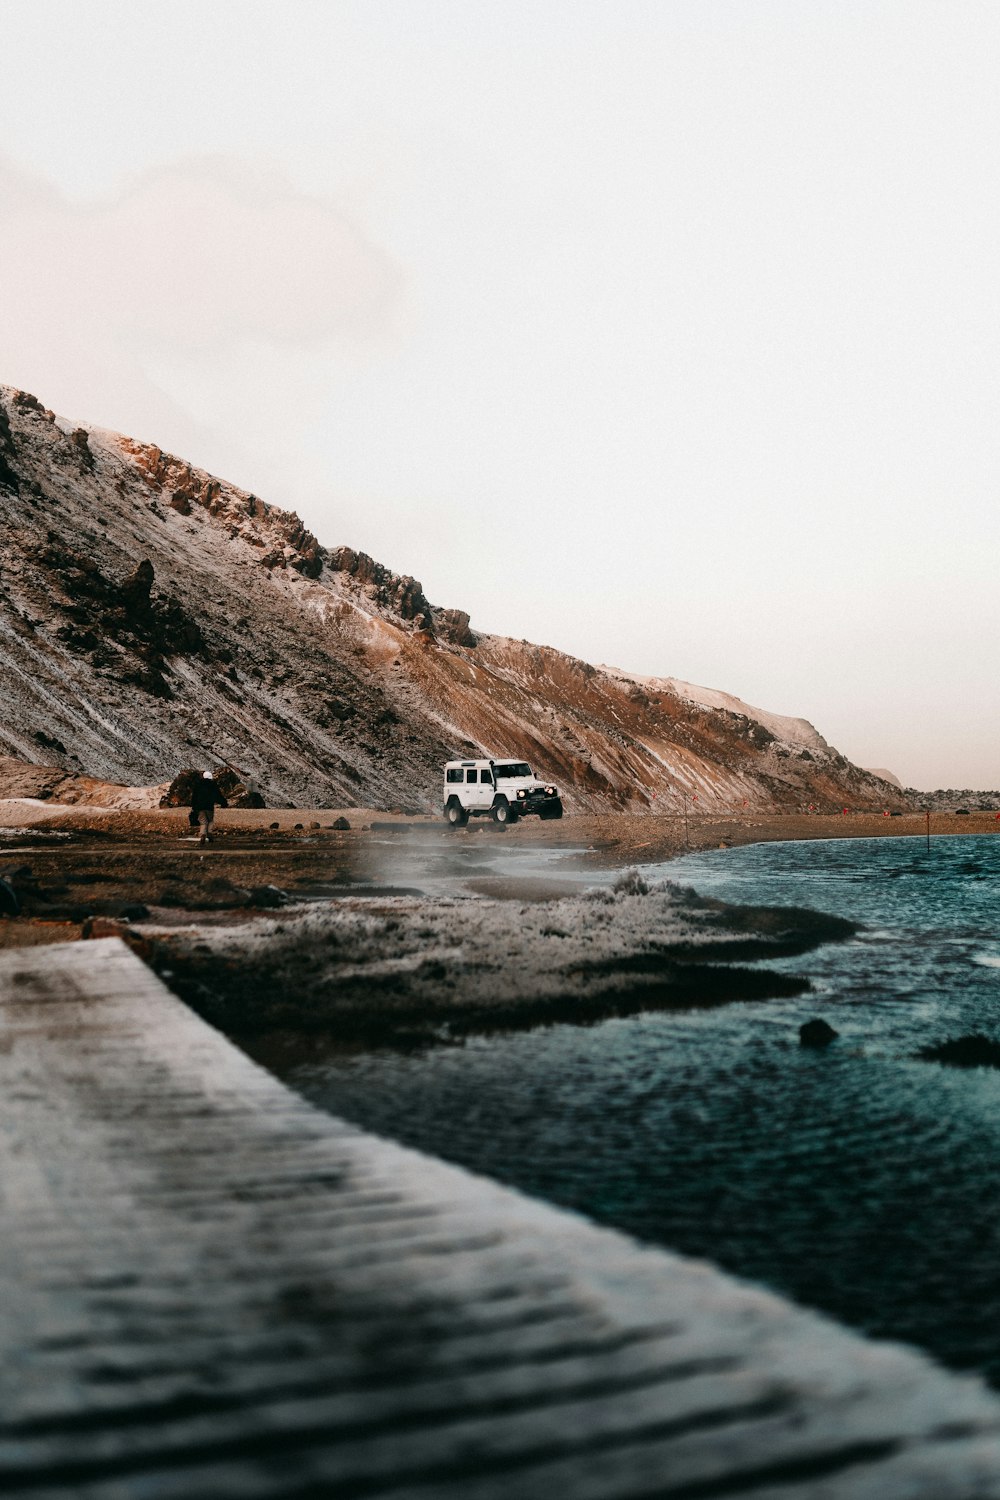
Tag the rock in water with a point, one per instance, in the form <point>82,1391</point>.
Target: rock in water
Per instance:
<point>817,1033</point>
<point>972,1051</point>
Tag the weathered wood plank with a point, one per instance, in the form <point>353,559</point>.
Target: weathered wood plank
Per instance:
<point>208,1288</point>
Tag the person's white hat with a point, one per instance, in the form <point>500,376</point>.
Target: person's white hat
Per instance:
<point>208,775</point>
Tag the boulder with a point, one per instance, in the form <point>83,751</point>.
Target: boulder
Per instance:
<point>236,792</point>
<point>267,897</point>
<point>817,1033</point>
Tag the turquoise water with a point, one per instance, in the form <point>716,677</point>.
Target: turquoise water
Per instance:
<point>858,1180</point>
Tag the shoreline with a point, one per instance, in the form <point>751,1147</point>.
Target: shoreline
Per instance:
<point>405,932</point>
<point>95,863</point>
<point>408,932</point>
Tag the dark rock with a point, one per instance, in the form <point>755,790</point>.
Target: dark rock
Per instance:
<point>971,1051</point>
<point>136,588</point>
<point>78,640</point>
<point>150,628</point>
<point>817,1033</point>
<point>181,789</point>
<point>341,824</point>
<point>49,742</point>
<point>274,825</point>
<point>27,402</point>
<point>9,479</point>
<point>235,790</point>
<point>80,439</point>
<point>266,897</point>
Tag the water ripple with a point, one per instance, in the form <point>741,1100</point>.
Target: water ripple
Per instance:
<point>857,1180</point>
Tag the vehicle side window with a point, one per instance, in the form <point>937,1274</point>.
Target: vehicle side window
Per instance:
<point>486,776</point>
<point>455,774</point>
<point>472,775</point>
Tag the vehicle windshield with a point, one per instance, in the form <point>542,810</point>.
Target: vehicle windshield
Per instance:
<point>508,770</point>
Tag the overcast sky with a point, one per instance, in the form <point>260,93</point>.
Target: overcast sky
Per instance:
<point>666,333</point>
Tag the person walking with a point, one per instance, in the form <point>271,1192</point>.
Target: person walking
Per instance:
<point>205,799</point>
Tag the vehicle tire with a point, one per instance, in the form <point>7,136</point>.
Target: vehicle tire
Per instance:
<point>555,810</point>
<point>515,813</point>
<point>501,813</point>
<point>455,814</point>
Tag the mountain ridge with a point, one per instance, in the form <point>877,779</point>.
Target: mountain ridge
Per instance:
<point>153,615</point>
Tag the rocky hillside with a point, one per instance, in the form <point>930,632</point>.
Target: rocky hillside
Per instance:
<point>953,799</point>
<point>153,617</point>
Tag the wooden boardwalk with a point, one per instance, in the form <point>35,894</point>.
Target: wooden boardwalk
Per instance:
<point>210,1289</point>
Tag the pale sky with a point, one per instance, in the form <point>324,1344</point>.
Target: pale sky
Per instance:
<point>664,333</point>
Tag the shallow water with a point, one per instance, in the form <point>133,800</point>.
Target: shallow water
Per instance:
<point>858,1180</point>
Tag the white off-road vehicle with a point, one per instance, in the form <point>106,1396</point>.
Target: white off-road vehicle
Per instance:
<point>503,790</point>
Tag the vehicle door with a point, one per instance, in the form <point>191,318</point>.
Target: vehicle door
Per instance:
<point>479,788</point>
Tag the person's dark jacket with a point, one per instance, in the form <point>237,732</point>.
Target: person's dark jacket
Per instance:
<point>206,796</point>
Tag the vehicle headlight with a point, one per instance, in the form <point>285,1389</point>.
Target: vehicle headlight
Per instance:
<point>522,793</point>
<point>550,791</point>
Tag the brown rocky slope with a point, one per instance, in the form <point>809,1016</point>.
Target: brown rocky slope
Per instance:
<point>153,616</point>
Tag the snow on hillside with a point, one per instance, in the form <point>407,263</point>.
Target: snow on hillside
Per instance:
<point>884,775</point>
<point>787,730</point>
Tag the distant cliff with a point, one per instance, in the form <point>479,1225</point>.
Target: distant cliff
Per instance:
<point>153,616</point>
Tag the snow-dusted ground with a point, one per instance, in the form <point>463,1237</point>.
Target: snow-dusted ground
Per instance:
<point>455,962</point>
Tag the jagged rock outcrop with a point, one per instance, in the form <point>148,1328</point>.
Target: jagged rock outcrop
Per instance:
<point>454,625</point>
<point>401,596</point>
<point>154,617</point>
